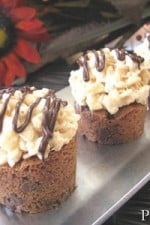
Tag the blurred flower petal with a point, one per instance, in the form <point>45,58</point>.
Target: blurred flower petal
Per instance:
<point>26,51</point>
<point>28,29</point>
<point>23,13</point>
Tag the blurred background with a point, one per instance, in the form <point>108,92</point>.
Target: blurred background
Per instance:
<point>75,26</point>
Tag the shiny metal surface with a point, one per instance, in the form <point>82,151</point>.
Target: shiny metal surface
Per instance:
<point>107,176</point>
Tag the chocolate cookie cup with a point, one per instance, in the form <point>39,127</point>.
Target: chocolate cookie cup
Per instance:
<point>111,89</point>
<point>38,163</point>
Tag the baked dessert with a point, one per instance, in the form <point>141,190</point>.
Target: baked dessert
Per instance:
<point>37,149</point>
<point>111,91</point>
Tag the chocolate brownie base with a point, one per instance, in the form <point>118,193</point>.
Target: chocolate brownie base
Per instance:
<point>34,186</point>
<point>99,126</point>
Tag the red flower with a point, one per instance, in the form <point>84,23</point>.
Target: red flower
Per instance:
<point>19,28</point>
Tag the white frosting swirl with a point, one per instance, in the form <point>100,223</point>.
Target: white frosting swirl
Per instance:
<point>14,146</point>
<point>118,84</point>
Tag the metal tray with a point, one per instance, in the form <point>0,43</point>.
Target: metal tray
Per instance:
<point>107,176</point>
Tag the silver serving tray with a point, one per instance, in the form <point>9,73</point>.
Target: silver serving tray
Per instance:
<point>107,177</point>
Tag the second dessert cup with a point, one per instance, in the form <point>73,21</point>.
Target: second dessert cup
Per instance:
<point>110,89</point>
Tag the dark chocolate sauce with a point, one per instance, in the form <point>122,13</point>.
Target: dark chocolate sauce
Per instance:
<point>83,63</point>
<point>50,113</point>
<point>19,129</point>
<point>136,58</point>
<point>100,63</point>
<point>86,76</point>
<point>48,122</point>
<point>100,60</point>
<point>120,54</point>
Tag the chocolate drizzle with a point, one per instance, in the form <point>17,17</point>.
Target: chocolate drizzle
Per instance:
<point>51,110</point>
<point>50,113</point>
<point>120,54</point>
<point>83,63</point>
<point>100,60</point>
<point>20,128</point>
<point>99,64</point>
<point>137,59</point>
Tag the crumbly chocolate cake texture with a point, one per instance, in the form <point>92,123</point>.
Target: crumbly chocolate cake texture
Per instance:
<point>99,126</point>
<point>33,185</point>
